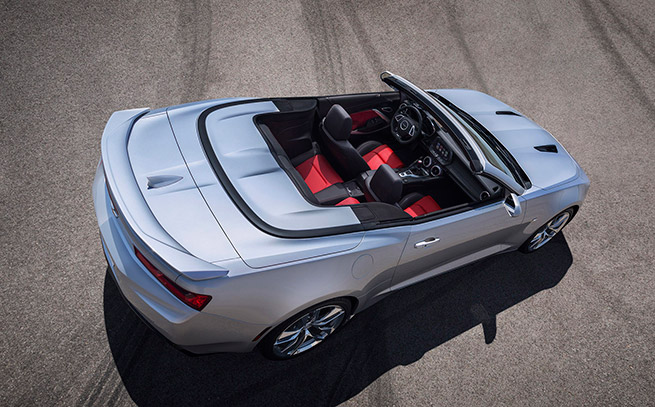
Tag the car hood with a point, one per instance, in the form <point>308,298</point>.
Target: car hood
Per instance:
<point>519,135</point>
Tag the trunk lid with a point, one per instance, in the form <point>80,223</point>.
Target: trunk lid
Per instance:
<point>170,191</point>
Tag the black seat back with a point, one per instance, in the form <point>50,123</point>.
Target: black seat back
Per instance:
<point>385,185</point>
<point>336,127</point>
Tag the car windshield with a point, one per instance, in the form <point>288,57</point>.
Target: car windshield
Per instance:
<point>488,151</point>
<point>492,155</point>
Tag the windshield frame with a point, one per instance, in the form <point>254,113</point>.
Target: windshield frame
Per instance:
<point>482,136</point>
<point>465,142</point>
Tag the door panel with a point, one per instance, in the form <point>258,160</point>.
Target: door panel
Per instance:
<point>361,118</point>
<point>473,234</point>
<point>370,121</point>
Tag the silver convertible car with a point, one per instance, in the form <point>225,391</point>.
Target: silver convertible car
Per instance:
<point>240,223</point>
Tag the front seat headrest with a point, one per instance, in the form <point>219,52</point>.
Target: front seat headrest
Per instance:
<point>338,123</point>
<point>386,185</point>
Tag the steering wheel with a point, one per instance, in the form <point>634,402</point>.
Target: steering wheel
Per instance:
<point>406,123</point>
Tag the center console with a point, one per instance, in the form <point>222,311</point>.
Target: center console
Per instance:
<point>423,169</point>
<point>338,192</point>
<point>431,166</point>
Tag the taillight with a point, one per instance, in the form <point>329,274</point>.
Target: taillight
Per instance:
<point>193,300</point>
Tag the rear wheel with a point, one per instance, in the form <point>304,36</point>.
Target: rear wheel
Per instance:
<point>306,329</point>
<point>547,232</point>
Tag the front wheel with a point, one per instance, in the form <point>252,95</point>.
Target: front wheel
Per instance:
<point>306,329</point>
<point>546,233</point>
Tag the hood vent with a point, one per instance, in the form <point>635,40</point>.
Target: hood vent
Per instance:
<point>507,113</point>
<point>548,148</point>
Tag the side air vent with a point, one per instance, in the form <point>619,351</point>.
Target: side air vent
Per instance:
<point>548,148</point>
<point>507,113</point>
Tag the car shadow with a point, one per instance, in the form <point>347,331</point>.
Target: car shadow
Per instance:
<point>398,330</point>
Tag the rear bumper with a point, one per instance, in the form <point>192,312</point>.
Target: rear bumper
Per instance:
<point>136,312</point>
<point>197,332</point>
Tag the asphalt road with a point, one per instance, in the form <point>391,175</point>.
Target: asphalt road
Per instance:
<point>571,325</point>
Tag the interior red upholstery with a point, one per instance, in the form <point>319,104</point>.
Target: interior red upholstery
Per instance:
<point>424,205</point>
<point>349,201</point>
<point>360,118</point>
<point>318,173</point>
<point>382,155</point>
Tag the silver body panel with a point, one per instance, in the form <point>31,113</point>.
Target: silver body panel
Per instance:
<point>486,230</point>
<point>257,248</point>
<point>172,207</point>
<point>259,180</point>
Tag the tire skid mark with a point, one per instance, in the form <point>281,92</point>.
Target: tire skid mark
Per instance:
<point>639,43</point>
<point>94,385</point>
<point>539,23</point>
<point>458,33</point>
<point>109,388</point>
<point>103,370</point>
<point>362,36</point>
<point>325,47</point>
<point>599,30</point>
<point>195,32</point>
<point>107,371</point>
<point>131,361</point>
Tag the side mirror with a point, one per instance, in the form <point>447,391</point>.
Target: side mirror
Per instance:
<point>512,205</point>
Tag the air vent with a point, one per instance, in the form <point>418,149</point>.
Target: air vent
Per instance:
<point>159,181</point>
<point>548,148</point>
<point>507,113</point>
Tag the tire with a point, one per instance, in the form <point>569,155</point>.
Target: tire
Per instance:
<point>309,327</point>
<point>547,231</point>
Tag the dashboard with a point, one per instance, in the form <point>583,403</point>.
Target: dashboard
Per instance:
<point>438,159</point>
<point>432,141</point>
<point>435,154</point>
<point>442,153</point>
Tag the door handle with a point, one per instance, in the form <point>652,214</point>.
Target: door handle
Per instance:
<point>427,242</point>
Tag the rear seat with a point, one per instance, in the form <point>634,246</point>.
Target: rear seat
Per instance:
<point>348,201</point>
<point>317,173</point>
<point>312,173</point>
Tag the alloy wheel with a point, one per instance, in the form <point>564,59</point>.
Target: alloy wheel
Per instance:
<point>549,231</point>
<point>309,330</point>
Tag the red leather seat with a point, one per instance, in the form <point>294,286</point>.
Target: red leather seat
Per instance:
<point>348,201</point>
<point>375,154</point>
<point>318,173</point>
<point>417,204</point>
